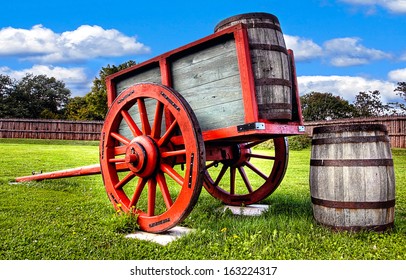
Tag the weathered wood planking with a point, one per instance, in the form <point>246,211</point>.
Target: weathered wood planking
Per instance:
<point>209,80</point>
<point>270,63</point>
<point>50,129</point>
<point>149,75</point>
<point>352,177</point>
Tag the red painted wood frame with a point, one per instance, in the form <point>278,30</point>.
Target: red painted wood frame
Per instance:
<point>254,127</point>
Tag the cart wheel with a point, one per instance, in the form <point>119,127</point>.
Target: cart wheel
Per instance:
<point>254,169</point>
<point>152,156</point>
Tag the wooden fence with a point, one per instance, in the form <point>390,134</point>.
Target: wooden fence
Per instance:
<point>90,130</point>
<point>396,126</point>
<point>50,129</point>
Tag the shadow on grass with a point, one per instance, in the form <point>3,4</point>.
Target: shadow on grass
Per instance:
<point>289,206</point>
<point>284,212</point>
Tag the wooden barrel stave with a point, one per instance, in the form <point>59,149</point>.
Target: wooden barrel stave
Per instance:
<point>270,63</point>
<point>352,178</point>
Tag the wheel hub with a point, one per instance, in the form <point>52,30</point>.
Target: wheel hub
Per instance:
<point>240,155</point>
<point>142,156</point>
<point>243,155</point>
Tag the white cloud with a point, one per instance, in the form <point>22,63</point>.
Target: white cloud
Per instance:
<point>394,6</point>
<point>304,49</point>
<point>339,52</point>
<point>349,51</point>
<point>74,78</point>
<point>67,74</point>
<point>347,87</point>
<point>85,43</point>
<point>37,40</point>
<point>398,75</point>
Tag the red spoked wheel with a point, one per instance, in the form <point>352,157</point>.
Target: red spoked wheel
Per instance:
<point>244,175</point>
<point>152,156</point>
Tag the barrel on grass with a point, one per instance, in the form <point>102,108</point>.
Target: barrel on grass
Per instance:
<point>270,63</point>
<point>352,181</point>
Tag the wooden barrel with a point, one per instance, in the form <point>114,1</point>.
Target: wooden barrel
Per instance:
<point>270,63</point>
<point>352,180</point>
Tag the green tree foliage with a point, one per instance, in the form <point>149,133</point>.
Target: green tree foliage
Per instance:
<point>400,108</point>
<point>7,87</point>
<point>323,106</point>
<point>401,90</point>
<point>93,106</point>
<point>369,104</point>
<point>33,97</point>
<point>76,109</point>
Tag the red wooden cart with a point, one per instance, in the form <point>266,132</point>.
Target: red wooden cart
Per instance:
<point>193,117</point>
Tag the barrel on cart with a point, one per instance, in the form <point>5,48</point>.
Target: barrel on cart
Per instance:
<point>194,117</point>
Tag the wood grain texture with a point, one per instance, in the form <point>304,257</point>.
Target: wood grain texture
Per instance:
<point>344,181</point>
<point>270,64</point>
<point>149,75</point>
<point>209,80</point>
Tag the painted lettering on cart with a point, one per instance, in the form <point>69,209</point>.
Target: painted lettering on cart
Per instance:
<point>167,220</point>
<point>113,198</point>
<point>103,139</point>
<point>170,101</point>
<point>125,97</point>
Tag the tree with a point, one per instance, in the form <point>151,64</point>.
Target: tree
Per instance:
<point>33,97</point>
<point>94,104</point>
<point>76,109</point>
<point>41,97</point>
<point>369,104</point>
<point>323,106</point>
<point>7,87</point>
<point>401,90</point>
<point>398,107</point>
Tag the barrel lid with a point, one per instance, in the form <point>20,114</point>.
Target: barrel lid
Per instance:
<point>349,128</point>
<point>228,21</point>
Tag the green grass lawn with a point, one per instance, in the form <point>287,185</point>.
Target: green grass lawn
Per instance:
<point>72,218</point>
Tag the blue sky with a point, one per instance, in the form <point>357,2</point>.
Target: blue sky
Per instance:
<point>341,46</point>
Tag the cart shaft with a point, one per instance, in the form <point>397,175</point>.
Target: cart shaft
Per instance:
<point>73,172</point>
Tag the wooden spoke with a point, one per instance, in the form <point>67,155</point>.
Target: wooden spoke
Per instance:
<point>173,153</point>
<point>213,163</point>
<point>116,160</point>
<point>124,181</point>
<point>261,156</point>
<point>156,127</point>
<point>254,182</point>
<point>168,134</point>
<point>167,169</point>
<point>146,128</point>
<point>164,189</point>
<point>256,170</point>
<point>138,190</point>
<point>147,150</point>
<point>221,174</point>
<point>232,180</point>
<point>245,179</point>
<point>119,150</point>
<point>253,144</point>
<point>131,124</point>
<point>120,138</point>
